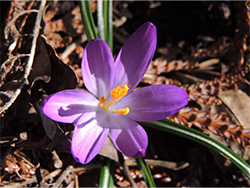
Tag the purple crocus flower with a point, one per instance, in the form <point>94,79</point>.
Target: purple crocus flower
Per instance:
<point>109,105</point>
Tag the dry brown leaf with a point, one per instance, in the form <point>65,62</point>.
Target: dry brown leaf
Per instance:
<point>109,150</point>
<point>239,103</point>
<point>12,81</point>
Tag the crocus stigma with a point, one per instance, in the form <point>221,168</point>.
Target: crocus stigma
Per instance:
<point>109,106</point>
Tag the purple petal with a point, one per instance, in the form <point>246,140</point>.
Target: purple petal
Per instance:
<point>69,105</point>
<point>128,137</point>
<point>135,56</point>
<point>88,139</point>
<point>97,68</point>
<point>153,103</point>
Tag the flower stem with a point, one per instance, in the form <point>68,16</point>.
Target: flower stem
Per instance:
<point>201,138</point>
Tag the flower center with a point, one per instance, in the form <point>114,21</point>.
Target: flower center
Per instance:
<point>116,95</point>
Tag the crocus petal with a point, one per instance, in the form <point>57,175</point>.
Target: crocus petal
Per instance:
<point>154,102</point>
<point>69,105</point>
<point>97,68</point>
<point>88,139</point>
<point>135,56</point>
<point>128,136</point>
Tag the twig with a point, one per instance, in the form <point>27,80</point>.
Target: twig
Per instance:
<point>160,163</point>
<point>11,23</point>
<point>72,47</point>
<point>34,42</point>
<point>127,173</point>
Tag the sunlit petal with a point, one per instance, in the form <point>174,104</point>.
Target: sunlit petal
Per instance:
<point>88,139</point>
<point>154,102</point>
<point>97,68</point>
<point>128,136</point>
<point>135,56</point>
<point>69,105</point>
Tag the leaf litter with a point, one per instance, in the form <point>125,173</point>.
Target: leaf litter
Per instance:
<point>41,54</point>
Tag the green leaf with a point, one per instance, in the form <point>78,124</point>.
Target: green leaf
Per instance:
<point>110,25</point>
<point>107,171</point>
<point>100,19</point>
<point>88,21</point>
<point>145,170</point>
<point>199,137</point>
<point>105,21</point>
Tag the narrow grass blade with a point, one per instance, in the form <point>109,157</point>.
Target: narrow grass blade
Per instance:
<point>88,21</point>
<point>111,175</point>
<point>106,177</point>
<point>100,19</point>
<point>199,137</point>
<point>108,22</point>
<point>110,25</point>
<point>145,170</point>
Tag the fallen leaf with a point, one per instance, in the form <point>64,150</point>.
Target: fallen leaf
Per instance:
<point>108,150</point>
<point>239,103</point>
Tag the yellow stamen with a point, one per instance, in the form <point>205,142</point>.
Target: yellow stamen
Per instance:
<point>122,111</point>
<point>119,92</point>
<point>102,100</point>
